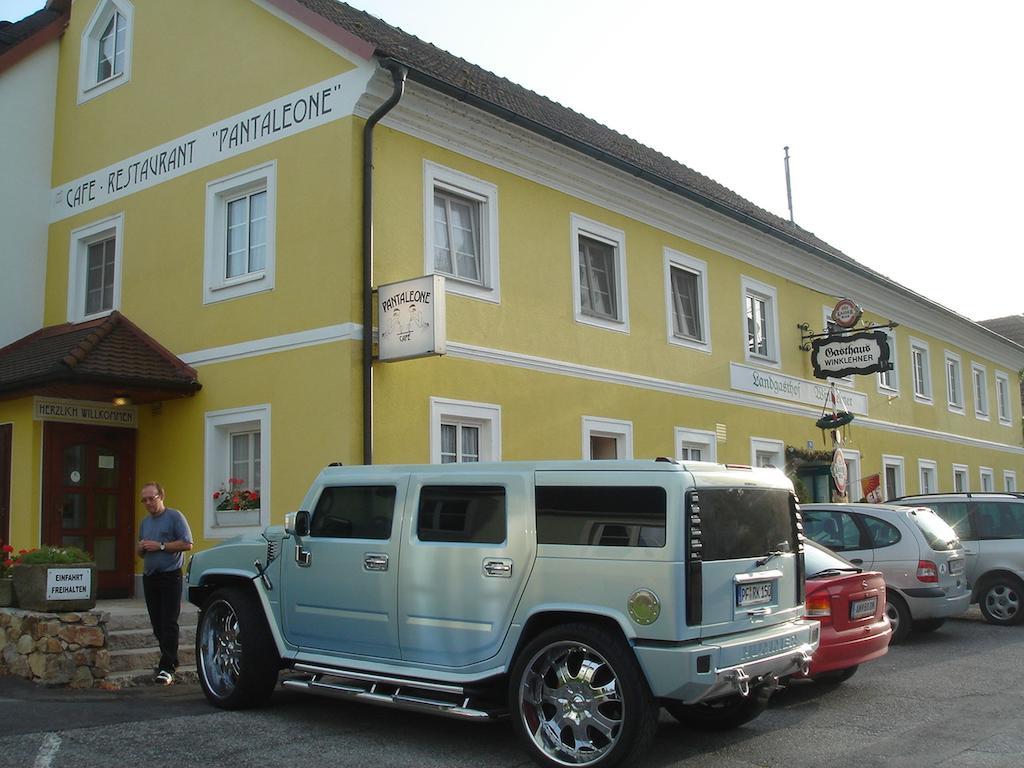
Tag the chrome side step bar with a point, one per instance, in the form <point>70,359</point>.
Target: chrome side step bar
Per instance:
<point>398,693</point>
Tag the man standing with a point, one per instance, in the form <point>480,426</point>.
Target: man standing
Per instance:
<point>163,538</point>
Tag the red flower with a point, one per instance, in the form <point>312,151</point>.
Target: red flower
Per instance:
<point>8,563</point>
<point>7,548</point>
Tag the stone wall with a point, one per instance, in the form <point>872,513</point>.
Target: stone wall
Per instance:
<point>55,648</point>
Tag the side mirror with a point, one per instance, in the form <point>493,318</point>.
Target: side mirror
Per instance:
<point>297,523</point>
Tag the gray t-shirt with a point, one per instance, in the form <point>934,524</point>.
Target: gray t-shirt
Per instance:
<point>169,525</point>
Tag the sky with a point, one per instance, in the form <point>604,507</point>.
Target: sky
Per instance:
<point>902,118</point>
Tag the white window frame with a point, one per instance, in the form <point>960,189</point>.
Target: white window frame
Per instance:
<point>965,472</point>
<point>952,359</point>
<point>852,474</point>
<point>621,431</point>
<point>981,405</point>
<point>1009,481</point>
<point>704,439</point>
<point>920,348</point>
<point>219,426</point>
<point>901,481</point>
<point>749,286</point>
<point>767,445</point>
<point>78,259</point>
<point>893,388</point>
<point>485,195</point>
<point>580,225</point>
<point>217,287</point>
<point>486,416</point>
<point>88,87</point>
<point>986,480</point>
<point>932,469</point>
<point>676,259</point>
<point>1004,402</point>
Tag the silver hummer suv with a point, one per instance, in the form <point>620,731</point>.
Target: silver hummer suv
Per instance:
<point>577,597</point>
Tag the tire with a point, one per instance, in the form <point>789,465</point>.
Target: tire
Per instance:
<point>722,714</point>
<point>927,625</point>
<point>1001,599</point>
<point>235,654</point>
<point>577,695</point>
<point>836,676</point>
<point>899,617</point>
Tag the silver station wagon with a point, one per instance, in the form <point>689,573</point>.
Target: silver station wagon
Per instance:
<point>577,597</point>
<point>920,556</point>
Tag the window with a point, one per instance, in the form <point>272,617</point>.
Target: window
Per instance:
<point>1009,481</point>
<point>354,512</point>
<point>462,432</point>
<point>892,477</point>
<point>880,533</point>
<point>1000,520</point>
<point>106,49</point>
<point>833,529</point>
<point>1003,398</point>
<point>601,516</point>
<point>988,480</point>
<point>956,515</point>
<point>460,224</point>
<point>928,473</point>
<point>980,377</point>
<point>888,381</point>
<point>607,438</point>
<point>687,301</point>
<point>599,275</point>
<point>920,366</point>
<point>94,280</point>
<point>462,513</point>
<point>761,321</point>
<point>954,383</point>
<point>695,445</point>
<point>240,234</point>
<point>854,491</point>
<point>961,484</point>
<point>767,453</point>
<point>237,443</point>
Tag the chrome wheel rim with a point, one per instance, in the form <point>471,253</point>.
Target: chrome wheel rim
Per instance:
<point>571,704</point>
<point>1003,602</point>
<point>893,615</point>
<point>220,650</point>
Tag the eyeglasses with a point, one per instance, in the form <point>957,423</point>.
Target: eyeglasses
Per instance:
<point>144,499</point>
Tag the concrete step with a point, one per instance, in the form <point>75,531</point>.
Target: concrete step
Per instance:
<point>126,639</point>
<point>138,618</point>
<point>146,658</point>
<point>186,674</point>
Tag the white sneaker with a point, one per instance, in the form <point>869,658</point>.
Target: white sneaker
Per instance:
<point>163,677</point>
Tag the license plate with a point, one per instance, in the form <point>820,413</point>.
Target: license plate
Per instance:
<point>956,567</point>
<point>860,609</point>
<point>754,594</point>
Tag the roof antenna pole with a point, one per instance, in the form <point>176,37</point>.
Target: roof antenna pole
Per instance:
<point>789,187</point>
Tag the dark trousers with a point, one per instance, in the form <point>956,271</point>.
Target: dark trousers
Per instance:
<point>163,600</point>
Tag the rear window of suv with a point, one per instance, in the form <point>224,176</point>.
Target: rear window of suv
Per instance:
<point>746,522</point>
<point>939,535</point>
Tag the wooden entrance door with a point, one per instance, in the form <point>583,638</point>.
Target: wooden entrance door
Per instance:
<point>88,498</point>
<point>5,483</point>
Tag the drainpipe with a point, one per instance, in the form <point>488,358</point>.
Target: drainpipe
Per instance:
<point>398,75</point>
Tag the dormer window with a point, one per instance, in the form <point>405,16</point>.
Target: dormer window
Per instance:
<point>106,49</point>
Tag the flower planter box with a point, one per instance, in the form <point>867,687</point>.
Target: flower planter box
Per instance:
<point>6,592</point>
<point>55,587</point>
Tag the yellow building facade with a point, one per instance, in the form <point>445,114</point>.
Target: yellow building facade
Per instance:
<point>207,185</point>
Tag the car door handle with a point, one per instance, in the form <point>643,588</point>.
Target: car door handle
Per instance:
<point>375,561</point>
<point>498,567</point>
<point>303,556</point>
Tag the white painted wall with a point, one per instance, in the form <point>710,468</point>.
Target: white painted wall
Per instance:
<point>28,95</point>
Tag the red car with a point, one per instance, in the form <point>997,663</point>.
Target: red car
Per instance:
<point>850,604</point>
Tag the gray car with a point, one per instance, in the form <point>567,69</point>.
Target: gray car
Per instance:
<point>920,556</point>
<point>991,527</point>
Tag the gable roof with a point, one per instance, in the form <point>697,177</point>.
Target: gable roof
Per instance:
<point>94,360</point>
<point>1012,327</point>
<point>20,38</point>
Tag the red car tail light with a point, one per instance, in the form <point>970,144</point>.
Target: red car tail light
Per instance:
<point>927,572</point>
<point>818,605</point>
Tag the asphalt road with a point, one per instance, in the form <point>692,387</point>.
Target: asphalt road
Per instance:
<point>954,697</point>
